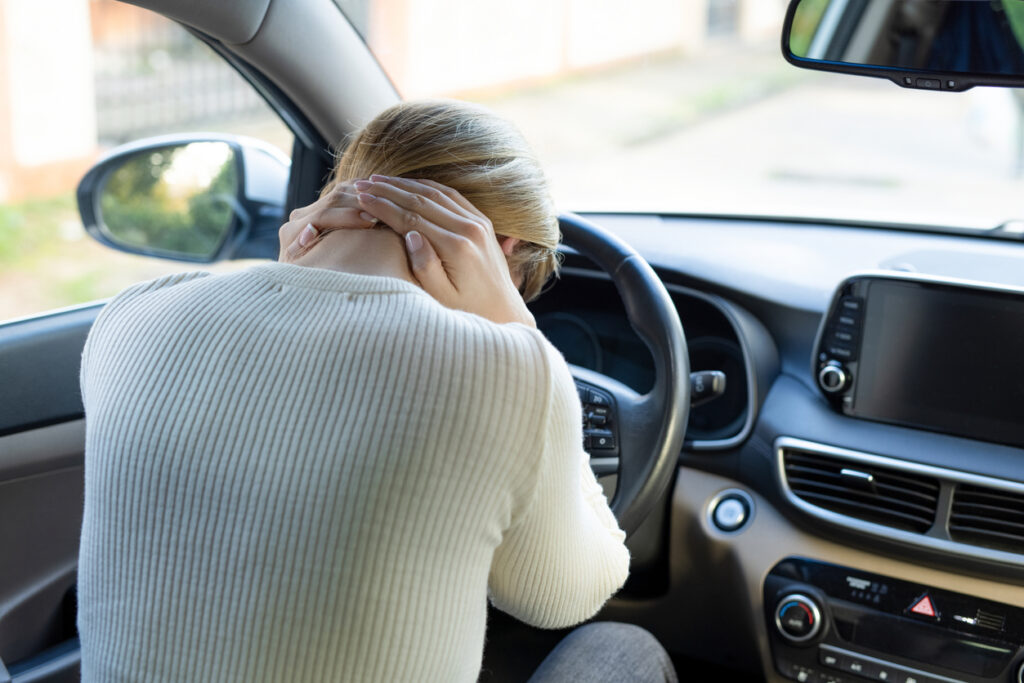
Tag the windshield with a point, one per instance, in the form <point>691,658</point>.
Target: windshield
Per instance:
<point>671,107</point>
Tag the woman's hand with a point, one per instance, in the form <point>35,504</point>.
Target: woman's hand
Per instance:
<point>337,210</point>
<point>453,251</point>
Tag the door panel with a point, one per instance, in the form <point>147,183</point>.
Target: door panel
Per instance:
<point>39,361</point>
<point>42,438</point>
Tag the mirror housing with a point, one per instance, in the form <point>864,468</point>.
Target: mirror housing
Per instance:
<point>943,45</point>
<point>189,197</point>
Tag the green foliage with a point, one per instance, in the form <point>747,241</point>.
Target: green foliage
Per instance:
<point>1015,13</point>
<point>151,203</point>
<point>805,25</point>
<point>28,228</point>
<point>85,286</point>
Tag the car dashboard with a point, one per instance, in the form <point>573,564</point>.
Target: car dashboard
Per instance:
<point>588,324</point>
<point>833,508</point>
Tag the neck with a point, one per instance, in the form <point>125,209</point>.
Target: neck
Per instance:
<point>379,251</point>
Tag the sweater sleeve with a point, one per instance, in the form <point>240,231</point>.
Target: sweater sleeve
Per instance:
<point>564,555</point>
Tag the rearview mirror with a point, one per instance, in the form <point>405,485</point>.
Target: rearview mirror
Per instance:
<point>187,198</point>
<point>929,44</point>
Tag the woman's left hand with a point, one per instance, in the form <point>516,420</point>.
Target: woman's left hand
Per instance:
<point>337,210</point>
<point>452,248</point>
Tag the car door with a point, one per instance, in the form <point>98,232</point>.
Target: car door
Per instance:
<point>42,435</point>
<point>148,76</point>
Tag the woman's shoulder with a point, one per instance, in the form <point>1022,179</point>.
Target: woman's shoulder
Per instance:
<point>161,282</point>
<point>141,289</point>
<point>519,348</point>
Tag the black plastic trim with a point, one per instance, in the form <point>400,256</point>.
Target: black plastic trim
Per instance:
<point>905,78</point>
<point>39,368</point>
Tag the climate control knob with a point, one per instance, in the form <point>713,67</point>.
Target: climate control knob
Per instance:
<point>798,618</point>
<point>833,378</point>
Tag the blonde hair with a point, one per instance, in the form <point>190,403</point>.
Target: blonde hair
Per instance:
<point>475,152</point>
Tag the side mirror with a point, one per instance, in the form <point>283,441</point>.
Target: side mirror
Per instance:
<point>947,45</point>
<point>199,198</point>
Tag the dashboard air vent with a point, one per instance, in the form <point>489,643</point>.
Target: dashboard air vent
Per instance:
<point>988,517</point>
<point>882,495</point>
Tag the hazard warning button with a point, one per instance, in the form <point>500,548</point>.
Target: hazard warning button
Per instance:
<point>923,606</point>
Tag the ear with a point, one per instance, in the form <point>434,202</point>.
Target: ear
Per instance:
<point>508,245</point>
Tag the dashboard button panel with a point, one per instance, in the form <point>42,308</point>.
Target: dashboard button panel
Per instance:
<point>839,345</point>
<point>869,630</point>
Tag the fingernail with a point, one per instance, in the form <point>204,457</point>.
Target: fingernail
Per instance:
<point>367,217</point>
<point>379,178</point>
<point>308,235</point>
<point>363,185</point>
<point>366,198</point>
<point>413,240</point>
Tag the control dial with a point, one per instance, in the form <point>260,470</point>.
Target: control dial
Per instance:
<point>833,378</point>
<point>798,618</point>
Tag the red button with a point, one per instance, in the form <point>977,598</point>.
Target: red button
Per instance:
<point>924,606</point>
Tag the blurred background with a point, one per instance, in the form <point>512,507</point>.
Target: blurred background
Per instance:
<point>675,106</point>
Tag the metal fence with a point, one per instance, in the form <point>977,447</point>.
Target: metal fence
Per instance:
<point>152,76</point>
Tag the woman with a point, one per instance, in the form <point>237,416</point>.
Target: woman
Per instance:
<point>323,468</point>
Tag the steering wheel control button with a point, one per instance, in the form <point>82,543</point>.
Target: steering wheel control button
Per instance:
<point>798,618</point>
<point>598,430</point>
<point>833,378</point>
<point>731,512</point>
<point>601,440</point>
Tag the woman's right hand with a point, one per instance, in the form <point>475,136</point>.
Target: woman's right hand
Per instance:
<point>452,248</point>
<point>337,210</point>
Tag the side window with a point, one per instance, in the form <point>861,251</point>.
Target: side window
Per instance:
<point>122,74</point>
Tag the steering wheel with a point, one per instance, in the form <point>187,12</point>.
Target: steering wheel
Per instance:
<point>645,431</point>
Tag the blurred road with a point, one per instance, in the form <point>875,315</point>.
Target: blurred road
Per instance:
<point>738,130</point>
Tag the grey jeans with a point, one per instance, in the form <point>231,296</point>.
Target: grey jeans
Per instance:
<point>607,652</point>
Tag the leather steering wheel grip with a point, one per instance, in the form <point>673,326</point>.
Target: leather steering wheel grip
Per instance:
<point>651,429</point>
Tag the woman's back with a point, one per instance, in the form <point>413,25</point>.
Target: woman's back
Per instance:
<point>301,474</point>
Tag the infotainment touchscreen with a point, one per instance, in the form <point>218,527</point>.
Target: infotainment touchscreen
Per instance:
<point>933,355</point>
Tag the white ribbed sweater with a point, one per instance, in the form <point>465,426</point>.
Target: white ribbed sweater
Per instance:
<point>299,474</point>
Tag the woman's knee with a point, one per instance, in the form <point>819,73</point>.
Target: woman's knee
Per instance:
<point>608,651</point>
